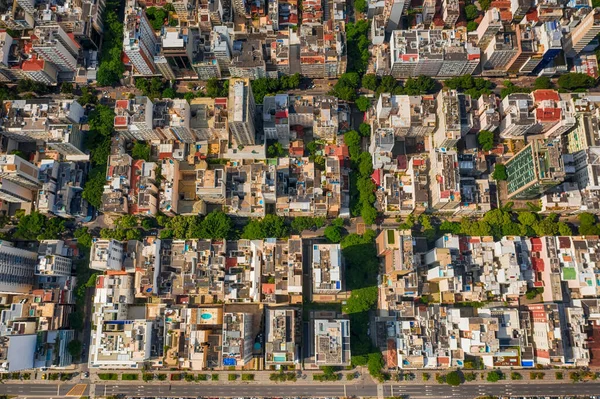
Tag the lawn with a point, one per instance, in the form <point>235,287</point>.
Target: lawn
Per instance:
<point>129,377</point>
<point>108,376</point>
<point>569,273</point>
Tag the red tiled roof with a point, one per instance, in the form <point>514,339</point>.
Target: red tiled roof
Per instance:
<point>547,114</point>
<point>536,244</point>
<point>122,104</point>
<point>593,344</point>
<point>532,15</point>
<point>230,262</point>
<point>376,176</point>
<point>268,288</point>
<point>545,94</point>
<point>538,264</point>
<point>33,65</point>
<point>120,121</point>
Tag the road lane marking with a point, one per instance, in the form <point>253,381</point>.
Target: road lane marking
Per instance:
<point>77,390</point>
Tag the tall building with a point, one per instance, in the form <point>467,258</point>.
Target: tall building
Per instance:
<point>238,339</point>
<point>241,112</point>
<point>282,336</point>
<point>585,31</point>
<point>220,46</point>
<point>392,12</point>
<point>450,12</point>
<point>435,53</point>
<point>17,170</point>
<point>534,170</point>
<point>530,51</point>
<point>52,44</point>
<point>139,41</point>
<point>40,70</point>
<point>332,342</point>
<point>16,269</point>
<point>500,53</point>
<point>51,261</point>
<point>488,27</point>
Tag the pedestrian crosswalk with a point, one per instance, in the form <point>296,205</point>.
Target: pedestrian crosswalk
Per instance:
<point>77,390</point>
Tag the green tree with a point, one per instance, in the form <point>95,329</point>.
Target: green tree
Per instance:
<point>542,83</point>
<point>472,26</point>
<point>216,225</point>
<point>101,120</point>
<point>564,229</point>
<point>276,150</point>
<point>528,218</point>
<point>485,138</point>
<point>357,43</point>
<point>494,376</point>
<point>157,17</point>
<point>66,88</point>
<point>360,5</point>
<point>189,96</point>
<point>94,186</point>
<point>352,140</point>
<point>471,12</point>
<point>588,224</point>
<point>88,96</point>
<point>364,129</point>
<point>333,234</point>
<point>370,82</point>
<point>169,92</point>
<point>141,151</point>
<point>499,172</point>
<point>485,4</point>
<point>363,103</point>
<point>454,378</point>
<point>84,238</point>
<point>368,213</point>
<point>149,223</point>
<point>126,222</point>
<point>111,68</point>
<point>215,88</point>
<point>576,81</point>
<point>418,86</point>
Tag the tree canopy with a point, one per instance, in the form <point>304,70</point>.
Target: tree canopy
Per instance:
<point>141,151</point>
<point>542,83</point>
<point>485,138</point>
<point>363,103</point>
<point>499,172</point>
<point>36,226</point>
<point>111,67</point>
<point>271,226</point>
<point>333,234</point>
<point>475,87</point>
<point>266,86</point>
<point>576,81</point>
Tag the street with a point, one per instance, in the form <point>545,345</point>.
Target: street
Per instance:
<point>45,390</point>
<point>471,390</point>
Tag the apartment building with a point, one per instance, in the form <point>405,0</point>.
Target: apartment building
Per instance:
<point>444,179</point>
<point>282,332</point>
<point>139,41</point>
<point>331,342</point>
<point>238,339</point>
<point>534,170</point>
<point>241,112</point>
<point>518,116</point>
<point>17,267</point>
<point>327,269</point>
<point>435,53</point>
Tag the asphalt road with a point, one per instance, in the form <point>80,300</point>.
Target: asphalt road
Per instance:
<point>44,390</point>
<point>323,390</point>
<point>48,390</point>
